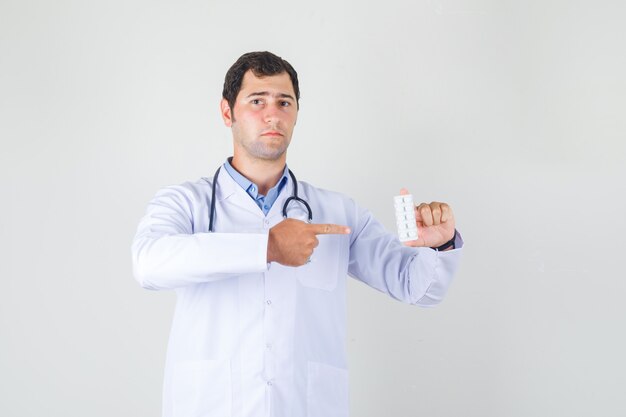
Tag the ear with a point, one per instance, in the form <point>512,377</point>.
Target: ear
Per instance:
<point>226,113</point>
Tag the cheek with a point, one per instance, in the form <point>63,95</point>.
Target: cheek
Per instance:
<point>291,119</point>
<point>251,118</point>
<point>244,120</point>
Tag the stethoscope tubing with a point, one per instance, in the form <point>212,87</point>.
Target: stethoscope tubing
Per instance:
<point>294,197</point>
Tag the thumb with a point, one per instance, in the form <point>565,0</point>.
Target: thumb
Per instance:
<point>404,191</point>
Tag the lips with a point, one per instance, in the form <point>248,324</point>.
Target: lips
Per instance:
<point>272,133</point>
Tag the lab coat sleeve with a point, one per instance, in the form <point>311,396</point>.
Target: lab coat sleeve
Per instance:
<point>167,254</point>
<point>419,276</point>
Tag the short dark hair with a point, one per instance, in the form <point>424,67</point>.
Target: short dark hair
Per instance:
<point>261,64</point>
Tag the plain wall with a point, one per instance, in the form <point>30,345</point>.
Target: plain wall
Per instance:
<point>513,112</point>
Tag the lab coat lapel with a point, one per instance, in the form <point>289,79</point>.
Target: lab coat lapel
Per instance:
<point>229,192</point>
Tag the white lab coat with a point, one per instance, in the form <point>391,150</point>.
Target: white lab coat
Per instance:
<point>250,339</point>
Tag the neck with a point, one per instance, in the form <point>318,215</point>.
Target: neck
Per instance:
<point>265,174</point>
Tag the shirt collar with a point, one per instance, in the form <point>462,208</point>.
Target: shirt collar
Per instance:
<point>250,187</point>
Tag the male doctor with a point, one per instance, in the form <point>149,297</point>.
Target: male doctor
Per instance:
<point>260,323</point>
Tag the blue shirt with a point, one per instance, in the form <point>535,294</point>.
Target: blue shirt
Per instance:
<point>264,202</point>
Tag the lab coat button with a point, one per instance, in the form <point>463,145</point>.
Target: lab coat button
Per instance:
<point>269,302</point>
<point>269,383</point>
<point>269,346</point>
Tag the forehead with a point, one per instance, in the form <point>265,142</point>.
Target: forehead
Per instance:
<point>275,84</point>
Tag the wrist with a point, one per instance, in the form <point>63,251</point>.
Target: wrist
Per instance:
<point>449,245</point>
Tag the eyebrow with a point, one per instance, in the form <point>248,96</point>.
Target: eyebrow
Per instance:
<point>267,93</point>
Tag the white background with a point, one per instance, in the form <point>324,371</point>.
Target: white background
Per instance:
<point>513,112</point>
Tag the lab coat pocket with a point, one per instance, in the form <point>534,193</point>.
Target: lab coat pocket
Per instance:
<point>321,272</point>
<point>327,391</point>
<point>202,389</point>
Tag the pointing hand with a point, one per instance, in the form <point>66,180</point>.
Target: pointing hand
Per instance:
<point>291,242</point>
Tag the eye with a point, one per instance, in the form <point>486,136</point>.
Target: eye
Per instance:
<point>285,103</point>
<point>256,101</point>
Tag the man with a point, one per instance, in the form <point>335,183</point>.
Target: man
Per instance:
<point>259,326</point>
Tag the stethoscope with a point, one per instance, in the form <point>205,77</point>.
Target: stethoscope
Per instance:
<point>294,197</point>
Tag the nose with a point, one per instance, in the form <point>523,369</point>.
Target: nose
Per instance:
<point>272,115</point>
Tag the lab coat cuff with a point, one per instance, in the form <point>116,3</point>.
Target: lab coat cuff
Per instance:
<point>440,267</point>
<point>263,251</point>
<point>458,241</point>
<point>423,270</point>
<point>246,252</point>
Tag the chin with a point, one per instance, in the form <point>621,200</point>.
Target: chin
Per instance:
<point>267,153</point>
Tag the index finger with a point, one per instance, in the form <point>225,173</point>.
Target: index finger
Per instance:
<point>329,229</point>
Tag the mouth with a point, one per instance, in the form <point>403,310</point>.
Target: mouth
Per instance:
<point>272,133</point>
